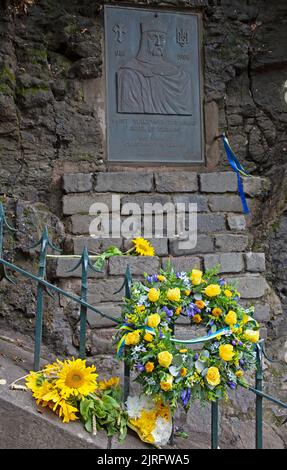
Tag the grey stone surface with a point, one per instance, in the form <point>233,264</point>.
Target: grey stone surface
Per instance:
<point>226,203</point>
<point>132,182</point>
<point>218,182</point>
<point>103,290</point>
<point>65,264</point>
<point>182,263</point>
<point>210,223</point>
<point>262,312</point>
<point>205,244</point>
<point>149,204</point>
<point>94,245</point>
<point>255,262</point>
<point>230,242</point>
<point>236,222</point>
<point>250,287</point>
<point>187,199</point>
<point>176,181</point>
<point>229,262</point>
<point>81,204</point>
<point>138,265</point>
<point>80,224</point>
<point>97,321</point>
<point>77,182</point>
<point>256,186</point>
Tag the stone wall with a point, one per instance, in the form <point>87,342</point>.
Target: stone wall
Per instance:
<point>53,166</point>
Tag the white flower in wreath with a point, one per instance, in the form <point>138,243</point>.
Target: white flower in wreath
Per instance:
<point>162,431</point>
<point>135,405</point>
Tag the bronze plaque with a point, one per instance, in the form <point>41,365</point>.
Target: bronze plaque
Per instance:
<point>153,84</point>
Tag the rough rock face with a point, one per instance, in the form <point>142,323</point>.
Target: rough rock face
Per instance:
<point>52,123</point>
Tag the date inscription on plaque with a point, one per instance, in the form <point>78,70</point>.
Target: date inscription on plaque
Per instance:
<point>153,85</point>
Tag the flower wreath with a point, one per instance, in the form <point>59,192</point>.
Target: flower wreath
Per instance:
<point>167,368</point>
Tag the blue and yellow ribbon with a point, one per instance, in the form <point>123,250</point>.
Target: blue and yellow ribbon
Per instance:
<point>202,339</point>
<point>239,170</point>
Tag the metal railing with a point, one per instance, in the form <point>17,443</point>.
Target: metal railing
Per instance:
<point>85,262</point>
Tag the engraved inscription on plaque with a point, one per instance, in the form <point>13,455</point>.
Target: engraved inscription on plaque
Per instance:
<point>153,84</point>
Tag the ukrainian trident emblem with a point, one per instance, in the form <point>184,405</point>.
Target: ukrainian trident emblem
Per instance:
<point>182,37</point>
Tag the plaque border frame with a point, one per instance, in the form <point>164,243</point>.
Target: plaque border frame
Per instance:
<point>154,163</point>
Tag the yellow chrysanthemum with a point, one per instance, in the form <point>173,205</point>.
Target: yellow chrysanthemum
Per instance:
<point>161,278</point>
<point>183,371</point>
<point>213,376</point>
<point>132,338</point>
<point>196,277</point>
<point>139,309</point>
<point>216,312</point>
<point>148,337</point>
<point>173,294</point>
<point>113,382</point>
<point>228,293</point>
<point>200,304</point>
<point>153,295</point>
<point>76,379</point>
<point>178,310</point>
<point>167,384</point>
<point>143,247</point>
<point>197,318</point>
<point>231,318</point>
<point>239,373</point>
<point>226,352</point>
<point>251,335</point>
<point>212,290</point>
<point>149,367</point>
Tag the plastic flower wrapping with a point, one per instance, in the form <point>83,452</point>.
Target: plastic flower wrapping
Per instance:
<point>168,369</point>
<point>71,390</point>
<point>150,419</point>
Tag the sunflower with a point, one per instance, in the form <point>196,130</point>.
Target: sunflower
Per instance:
<point>38,385</point>
<point>66,411</point>
<point>113,382</point>
<point>143,247</point>
<point>76,379</point>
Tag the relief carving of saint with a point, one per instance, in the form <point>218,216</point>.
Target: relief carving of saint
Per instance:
<point>149,83</point>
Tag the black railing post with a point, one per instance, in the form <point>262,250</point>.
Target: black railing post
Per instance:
<point>259,399</point>
<point>127,372</point>
<point>214,424</point>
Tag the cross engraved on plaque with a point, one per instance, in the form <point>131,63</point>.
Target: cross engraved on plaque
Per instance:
<point>120,31</point>
<point>150,83</point>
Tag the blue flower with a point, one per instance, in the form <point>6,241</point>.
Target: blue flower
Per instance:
<point>149,279</point>
<point>140,367</point>
<point>232,384</point>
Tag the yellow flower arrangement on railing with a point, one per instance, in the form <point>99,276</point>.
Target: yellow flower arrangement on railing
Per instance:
<point>168,369</point>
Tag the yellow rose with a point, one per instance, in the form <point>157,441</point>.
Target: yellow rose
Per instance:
<point>226,352</point>
<point>178,310</point>
<point>173,294</point>
<point>251,335</point>
<point>165,358</point>
<point>213,376</point>
<point>149,367</point>
<point>196,277</point>
<point>216,312</point>
<point>132,338</point>
<point>197,318</point>
<point>183,371</point>
<point>200,304</point>
<point>161,278</point>
<point>231,318</point>
<point>228,293</point>
<point>212,290</point>
<point>153,320</point>
<point>245,319</point>
<point>239,373</point>
<point>148,337</point>
<point>167,383</point>
<point>153,294</point>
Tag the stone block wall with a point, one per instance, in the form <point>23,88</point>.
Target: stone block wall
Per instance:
<point>224,237</point>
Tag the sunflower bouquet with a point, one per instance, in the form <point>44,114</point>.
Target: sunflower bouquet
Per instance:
<point>167,368</point>
<point>71,390</point>
<point>140,247</point>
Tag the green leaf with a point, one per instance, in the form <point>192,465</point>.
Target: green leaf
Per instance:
<point>89,424</point>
